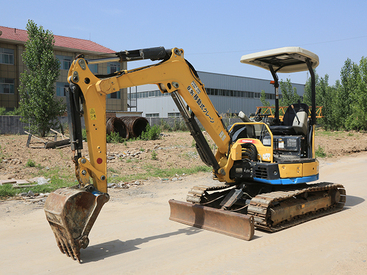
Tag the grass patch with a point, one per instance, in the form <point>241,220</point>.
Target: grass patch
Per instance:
<point>332,134</point>
<point>320,153</point>
<point>112,170</point>
<point>154,172</point>
<point>57,180</point>
<point>2,155</point>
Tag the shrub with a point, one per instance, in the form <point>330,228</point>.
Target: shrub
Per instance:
<point>151,133</point>
<point>30,163</point>
<point>114,137</point>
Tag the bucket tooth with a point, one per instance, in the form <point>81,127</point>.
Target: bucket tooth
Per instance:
<point>229,223</point>
<point>71,213</point>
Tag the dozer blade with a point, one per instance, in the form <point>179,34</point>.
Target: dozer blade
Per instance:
<point>71,213</point>
<point>233,224</point>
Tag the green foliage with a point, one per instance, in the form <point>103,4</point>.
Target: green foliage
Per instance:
<point>114,137</point>
<point>37,90</point>
<point>84,134</point>
<point>151,133</point>
<point>2,111</point>
<point>263,100</point>
<point>320,153</point>
<point>164,173</point>
<point>165,126</point>
<point>57,180</point>
<point>2,155</point>
<point>30,163</point>
<point>289,93</point>
<point>345,103</point>
<point>357,119</point>
<point>15,112</point>
<point>179,125</point>
<point>154,155</point>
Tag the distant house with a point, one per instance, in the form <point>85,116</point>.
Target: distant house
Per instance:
<point>12,45</point>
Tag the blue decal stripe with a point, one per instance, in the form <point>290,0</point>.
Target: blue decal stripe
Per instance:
<point>289,181</point>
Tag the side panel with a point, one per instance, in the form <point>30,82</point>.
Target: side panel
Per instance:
<point>291,170</point>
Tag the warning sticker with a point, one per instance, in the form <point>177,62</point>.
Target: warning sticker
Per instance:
<point>196,88</point>
<point>92,114</point>
<point>222,135</point>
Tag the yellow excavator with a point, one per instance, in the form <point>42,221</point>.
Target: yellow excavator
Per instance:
<point>262,167</point>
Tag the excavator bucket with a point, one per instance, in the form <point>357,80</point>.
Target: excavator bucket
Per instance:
<point>71,213</point>
<point>233,224</point>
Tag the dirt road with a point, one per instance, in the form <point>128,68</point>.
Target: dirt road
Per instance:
<point>134,236</point>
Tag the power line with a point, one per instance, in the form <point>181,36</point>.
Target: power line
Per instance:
<point>256,50</point>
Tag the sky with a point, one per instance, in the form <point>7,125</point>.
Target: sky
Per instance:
<point>214,34</point>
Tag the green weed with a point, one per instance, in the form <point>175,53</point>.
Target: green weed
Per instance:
<point>154,155</point>
<point>320,153</point>
<point>151,133</point>
<point>30,163</point>
<point>114,137</point>
<point>155,172</point>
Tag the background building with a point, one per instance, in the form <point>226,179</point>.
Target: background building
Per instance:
<point>229,94</point>
<point>12,45</point>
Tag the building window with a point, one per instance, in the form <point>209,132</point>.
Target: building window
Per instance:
<point>114,95</point>
<point>61,88</point>
<point>113,67</point>
<point>174,114</point>
<point>6,56</point>
<point>269,96</point>
<point>152,115</point>
<point>93,68</point>
<point>65,61</point>
<point>7,85</point>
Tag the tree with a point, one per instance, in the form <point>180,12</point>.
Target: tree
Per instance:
<point>357,83</point>
<point>325,97</point>
<point>263,100</point>
<point>343,100</point>
<point>289,93</point>
<point>38,104</point>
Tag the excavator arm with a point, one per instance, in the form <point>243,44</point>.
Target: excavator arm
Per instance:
<point>173,75</point>
<point>71,212</point>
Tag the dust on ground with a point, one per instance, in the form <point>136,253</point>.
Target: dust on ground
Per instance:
<point>174,149</point>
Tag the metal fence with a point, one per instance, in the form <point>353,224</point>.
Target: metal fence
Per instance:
<point>13,125</point>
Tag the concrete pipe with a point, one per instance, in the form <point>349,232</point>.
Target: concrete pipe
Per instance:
<point>135,124</point>
<point>116,125</point>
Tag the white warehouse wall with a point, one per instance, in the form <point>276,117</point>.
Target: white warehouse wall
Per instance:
<point>163,105</point>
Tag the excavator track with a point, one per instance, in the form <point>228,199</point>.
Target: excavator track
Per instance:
<point>278,210</point>
<point>196,193</point>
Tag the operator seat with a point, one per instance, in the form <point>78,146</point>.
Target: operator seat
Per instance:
<point>293,124</point>
<point>242,131</point>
